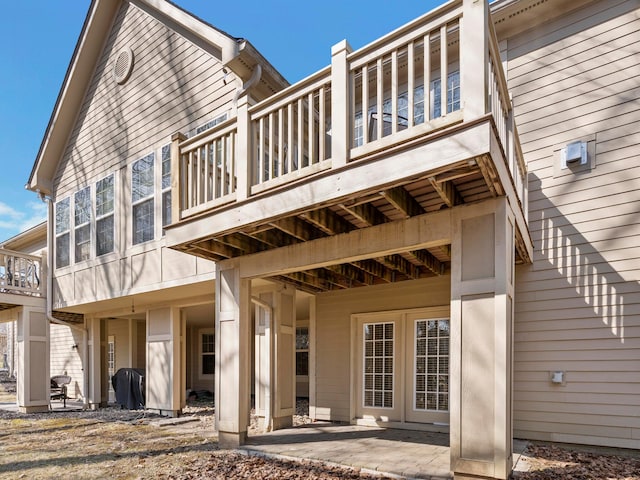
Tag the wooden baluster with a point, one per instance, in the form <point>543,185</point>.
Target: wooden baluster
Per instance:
<point>426,79</point>
<point>321,124</point>
<point>290,144</point>
<point>443,70</point>
<point>394,91</point>
<point>410,85</point>
<point>365,104</point>
<point>379,98</point>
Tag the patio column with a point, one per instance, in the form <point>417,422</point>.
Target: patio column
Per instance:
<point>275,357</point>
<point>233,314</point>
<point>95,364</point>
<point>482,270</point>
<point>164,378</point>
<point>32,360</point>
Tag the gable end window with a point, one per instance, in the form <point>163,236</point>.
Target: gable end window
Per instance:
<point>62,233</point>
<point>105,195</point>
<point>82,224</point>
<point>142,199</point>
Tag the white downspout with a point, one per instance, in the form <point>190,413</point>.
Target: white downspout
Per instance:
<point>49,300</point>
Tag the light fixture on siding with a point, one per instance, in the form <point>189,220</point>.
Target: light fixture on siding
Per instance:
<point>557,377</point>
<point>575,153</point>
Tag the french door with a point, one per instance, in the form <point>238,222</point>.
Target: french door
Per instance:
<point>402,366</point>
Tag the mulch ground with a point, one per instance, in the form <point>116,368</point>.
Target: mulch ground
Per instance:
<point>552,461</point>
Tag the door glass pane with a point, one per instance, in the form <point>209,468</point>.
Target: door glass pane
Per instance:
<point>431,391</point>
<point>378,351</point>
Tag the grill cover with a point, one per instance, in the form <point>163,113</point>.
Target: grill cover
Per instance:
<point>128,383</point>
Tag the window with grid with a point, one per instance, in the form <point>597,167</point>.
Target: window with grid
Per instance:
<point>166,185</point>
<point>63,233</point>
<point>82,224</point>
<point>208,353</point>
<point>302,350</point>
<point>105,195</point>
<point>378,364</point>
<point>432,365</point>
<point>142,198</point>
<point>453,94</point>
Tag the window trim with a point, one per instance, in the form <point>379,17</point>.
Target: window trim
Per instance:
<point>111,214</point>
<point>201,333</point>
<point>164,190</point>
<point>67,232</point>
<point>152,197</point>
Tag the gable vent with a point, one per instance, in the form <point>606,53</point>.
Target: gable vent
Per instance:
<point>123,65</point>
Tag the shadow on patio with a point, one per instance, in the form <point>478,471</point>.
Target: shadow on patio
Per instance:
<point>401,452</point>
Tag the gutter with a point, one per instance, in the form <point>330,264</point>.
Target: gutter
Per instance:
<point>49,301</point>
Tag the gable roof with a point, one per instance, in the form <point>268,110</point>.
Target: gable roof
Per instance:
<point>236,53</point>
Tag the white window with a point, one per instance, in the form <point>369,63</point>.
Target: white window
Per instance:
<point>453,94</point>
<point>105,198</point>
<point>302,351</point>
<point>63,233</point>
<point>166,185</point>
<point>378,364</point>
<point>432,365</point>
<point>207,353</point>
<point>142,199</point>
<point>211,123</point>
<point>82,224</point>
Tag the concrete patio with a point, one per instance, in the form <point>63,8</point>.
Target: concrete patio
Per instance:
<point>402,453</point>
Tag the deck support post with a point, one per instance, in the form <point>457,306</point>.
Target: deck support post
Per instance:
<point>275,357</point>
<point>482,274</point>
<point>165,357</point>
<point>33,343</point>
<point>95,357</point>
<point>233,373</point>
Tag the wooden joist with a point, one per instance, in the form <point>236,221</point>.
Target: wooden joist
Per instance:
<point>366,213</point>
<point>297,228</point>
<point>447,191</point>
<point>402,265</point>
<point>328,221</point>
<point>428,260</point>
<point>403,201</point>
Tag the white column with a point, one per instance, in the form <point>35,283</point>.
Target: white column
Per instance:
<point>275,357</point>
<point>232,354</point>
<point>95,362</point>
<point>482,270</point>
<point>33,385</point>
<point>164,361</point>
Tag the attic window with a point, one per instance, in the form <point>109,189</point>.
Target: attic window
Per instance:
<point>123,65</point>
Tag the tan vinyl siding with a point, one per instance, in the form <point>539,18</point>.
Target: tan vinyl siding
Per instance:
<point>578,305</point>
<point>333,333</point>
<point>67,360</point>
<point>174,86</point>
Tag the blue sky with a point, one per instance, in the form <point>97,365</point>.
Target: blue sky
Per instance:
<point>39,39</point>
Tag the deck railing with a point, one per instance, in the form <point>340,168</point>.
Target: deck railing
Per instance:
<point>20,273</point>
<point>291,132</point>
<point>418,79</point>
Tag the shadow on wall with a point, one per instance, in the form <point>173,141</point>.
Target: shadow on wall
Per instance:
<point>582,274</point>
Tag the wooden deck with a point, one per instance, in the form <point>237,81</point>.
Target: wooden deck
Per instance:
<point>368,140</point>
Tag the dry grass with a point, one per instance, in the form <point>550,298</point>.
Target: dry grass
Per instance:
<point>64,447</point>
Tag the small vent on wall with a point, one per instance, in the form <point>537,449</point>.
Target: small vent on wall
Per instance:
<point>123,65</point>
